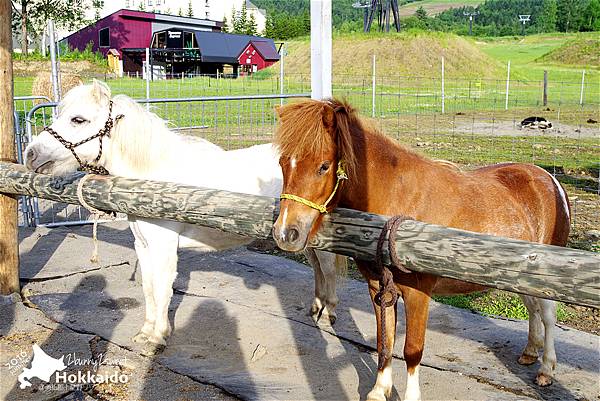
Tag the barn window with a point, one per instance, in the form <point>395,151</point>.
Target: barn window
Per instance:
<point>104,35</point>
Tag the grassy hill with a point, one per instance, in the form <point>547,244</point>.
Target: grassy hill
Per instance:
<point>406,53</point>
<point>582,51</point>
<point>434,7</point>
<point>563,55</point>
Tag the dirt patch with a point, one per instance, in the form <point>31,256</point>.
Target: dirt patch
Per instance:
<point>511,128</point>
<point>582,318</point>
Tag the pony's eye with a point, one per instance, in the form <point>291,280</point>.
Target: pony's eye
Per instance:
<point>78,120</point>
<point>324,167</point>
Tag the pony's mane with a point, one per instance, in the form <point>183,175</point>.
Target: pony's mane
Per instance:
<point>141,136</point>
<point>303,131</point>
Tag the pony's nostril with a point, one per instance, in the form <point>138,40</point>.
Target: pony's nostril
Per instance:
<point>293,234</point>
<point>31,154</point>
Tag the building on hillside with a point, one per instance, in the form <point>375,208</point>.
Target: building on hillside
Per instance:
<point>177,46</point>
<point>256,55</point>
<point>129,32</point>
<point>216,10</point>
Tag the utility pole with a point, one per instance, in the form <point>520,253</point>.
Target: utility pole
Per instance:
<point>470,14</point>
<point>524,18</point>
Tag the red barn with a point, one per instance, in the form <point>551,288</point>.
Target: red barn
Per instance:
<point>257,55</point>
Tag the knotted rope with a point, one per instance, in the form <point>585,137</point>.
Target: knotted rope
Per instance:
<point>386,279</point>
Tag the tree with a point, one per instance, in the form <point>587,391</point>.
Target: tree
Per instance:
<point>251,28</point>
<point>225,25</point>
<point>546,22</point>
<point>591,17</point>
<point>190,10</point>
<point>569,15</point>
<point>97,5</point>
<point>35,14</point>
<point>421,13</point>
<point>242,20</point>
<point>142,6</point>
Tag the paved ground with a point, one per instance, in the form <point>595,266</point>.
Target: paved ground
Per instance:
<point>241,332</point>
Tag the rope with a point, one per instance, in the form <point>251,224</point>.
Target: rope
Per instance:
<point>340,174</point>
<point>386,280</point>
<point>95,213</point>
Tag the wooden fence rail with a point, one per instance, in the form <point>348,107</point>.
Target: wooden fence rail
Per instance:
<point>563,274</point>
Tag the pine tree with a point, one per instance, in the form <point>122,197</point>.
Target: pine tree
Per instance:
<point>421,13</point>
<point>251,28</point>
<point>242,20</point>
<point>190,10</point>
<point>225,25</point>
<point>180,12</point>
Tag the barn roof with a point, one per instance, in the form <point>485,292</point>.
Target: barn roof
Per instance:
<point>219,47</point>
<point>267,50</point>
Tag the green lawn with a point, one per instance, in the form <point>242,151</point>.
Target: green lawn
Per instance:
<point>524,54</point>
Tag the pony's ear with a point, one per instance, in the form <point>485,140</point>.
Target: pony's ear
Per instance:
<point>100,90</point>
<point>328,116</point>
<point>278,110</point>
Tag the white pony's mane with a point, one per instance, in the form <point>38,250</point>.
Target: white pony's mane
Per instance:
<point>141,137</point>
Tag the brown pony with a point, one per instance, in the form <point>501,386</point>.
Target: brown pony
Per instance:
<point>510,200</point>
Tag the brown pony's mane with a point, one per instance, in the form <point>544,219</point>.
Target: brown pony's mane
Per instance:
<point>304,131</point>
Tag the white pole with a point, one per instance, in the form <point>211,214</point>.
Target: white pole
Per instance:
<point>507,86</point>
<point>281,72</point>
<point>373,92</point>
<point>147,77</point>
<point>582,86</point>
<point>443,93</point>
<point>320,49</point>
<point>53,62</point>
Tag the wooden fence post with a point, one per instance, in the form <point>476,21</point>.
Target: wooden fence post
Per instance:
<point>9,252</point>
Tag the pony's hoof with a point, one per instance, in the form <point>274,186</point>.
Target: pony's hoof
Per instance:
<point>152,349</point>
<point>376,395</point>
<point>527,359</point>
<point>140,338</point>
<point>543,380</point>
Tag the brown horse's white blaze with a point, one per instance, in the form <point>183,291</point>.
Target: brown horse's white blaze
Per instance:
<point>510,200</point>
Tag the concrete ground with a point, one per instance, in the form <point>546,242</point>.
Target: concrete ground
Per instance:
<point>241,332</point>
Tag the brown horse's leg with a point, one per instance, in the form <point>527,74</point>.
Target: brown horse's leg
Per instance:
<point>416,309</point>
<point>383,385</point>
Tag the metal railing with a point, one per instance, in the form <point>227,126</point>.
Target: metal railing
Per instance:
<point>228,121</point>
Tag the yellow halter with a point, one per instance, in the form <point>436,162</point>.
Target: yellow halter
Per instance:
<point>341,175</point>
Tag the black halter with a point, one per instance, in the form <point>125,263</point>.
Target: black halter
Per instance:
<point>104,131</point>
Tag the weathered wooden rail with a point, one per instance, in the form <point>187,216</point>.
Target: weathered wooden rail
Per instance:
<point>564,274</point>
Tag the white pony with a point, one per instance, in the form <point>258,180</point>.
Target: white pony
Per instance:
<point>137,144</point>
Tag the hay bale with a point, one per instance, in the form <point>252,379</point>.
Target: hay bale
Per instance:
<point>42,85</point>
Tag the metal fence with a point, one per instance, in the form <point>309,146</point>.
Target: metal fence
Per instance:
<point>469,121</point>
<point>229,121</point>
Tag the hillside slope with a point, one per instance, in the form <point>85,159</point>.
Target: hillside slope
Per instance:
<point>406,53</point>
<point>584,51</point>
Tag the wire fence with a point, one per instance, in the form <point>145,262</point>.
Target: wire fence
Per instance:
<point>472,122</point>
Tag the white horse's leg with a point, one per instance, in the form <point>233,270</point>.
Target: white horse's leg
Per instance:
<point>325,301</point>
<point>540,311</point>
<point>141,249</point>
<point>548,311</point>
<point>161,240</point>
<point>535,338</point>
